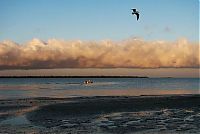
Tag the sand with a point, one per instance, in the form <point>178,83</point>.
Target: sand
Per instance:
<point>103,114</point>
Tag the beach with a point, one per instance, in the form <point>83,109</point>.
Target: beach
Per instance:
<point>101,114</point>
<point>99,67</point>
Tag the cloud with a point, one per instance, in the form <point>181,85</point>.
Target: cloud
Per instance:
<point>130,53</point>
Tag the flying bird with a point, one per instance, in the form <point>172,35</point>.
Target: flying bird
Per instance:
<point>135,12</point>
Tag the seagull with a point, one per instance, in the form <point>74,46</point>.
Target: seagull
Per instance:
<point>135,12</point>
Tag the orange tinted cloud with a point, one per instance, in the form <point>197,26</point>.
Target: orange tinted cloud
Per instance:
<point>131,53</point>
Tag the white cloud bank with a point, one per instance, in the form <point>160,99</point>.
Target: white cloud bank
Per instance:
<point>131,53</point>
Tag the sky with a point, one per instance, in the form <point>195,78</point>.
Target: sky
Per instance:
<point>77,34</point>
<point>23,20</point>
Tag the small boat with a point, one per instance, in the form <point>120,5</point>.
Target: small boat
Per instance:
<point>88,82</point>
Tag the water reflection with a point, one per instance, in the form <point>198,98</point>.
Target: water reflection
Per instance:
<point>10,88</point>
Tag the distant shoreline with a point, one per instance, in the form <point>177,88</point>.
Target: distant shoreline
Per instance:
<point>74,77</point>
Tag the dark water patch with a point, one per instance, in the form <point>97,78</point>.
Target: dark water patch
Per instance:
<point>11,107</point>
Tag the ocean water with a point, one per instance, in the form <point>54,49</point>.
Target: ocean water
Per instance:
<point>71,87</point>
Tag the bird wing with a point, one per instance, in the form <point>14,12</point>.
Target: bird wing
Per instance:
<point>134,10</point>
<point>138,15</point>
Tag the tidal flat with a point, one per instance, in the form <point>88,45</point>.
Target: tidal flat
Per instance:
<point>101,115</point>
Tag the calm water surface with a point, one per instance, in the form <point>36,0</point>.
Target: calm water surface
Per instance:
<point>70,87</point>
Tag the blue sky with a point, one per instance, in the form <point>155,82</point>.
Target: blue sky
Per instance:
<point>23,20</point>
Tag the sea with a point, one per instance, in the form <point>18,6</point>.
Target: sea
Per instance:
<point>14,88</point>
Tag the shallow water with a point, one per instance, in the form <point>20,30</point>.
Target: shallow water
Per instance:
<point>18,120</point>
<point>71,87</point>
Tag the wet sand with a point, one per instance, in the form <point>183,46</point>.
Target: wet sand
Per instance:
<point>103,114</point>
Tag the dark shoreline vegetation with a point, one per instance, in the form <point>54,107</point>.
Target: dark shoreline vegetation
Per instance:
<point>74,76</point>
